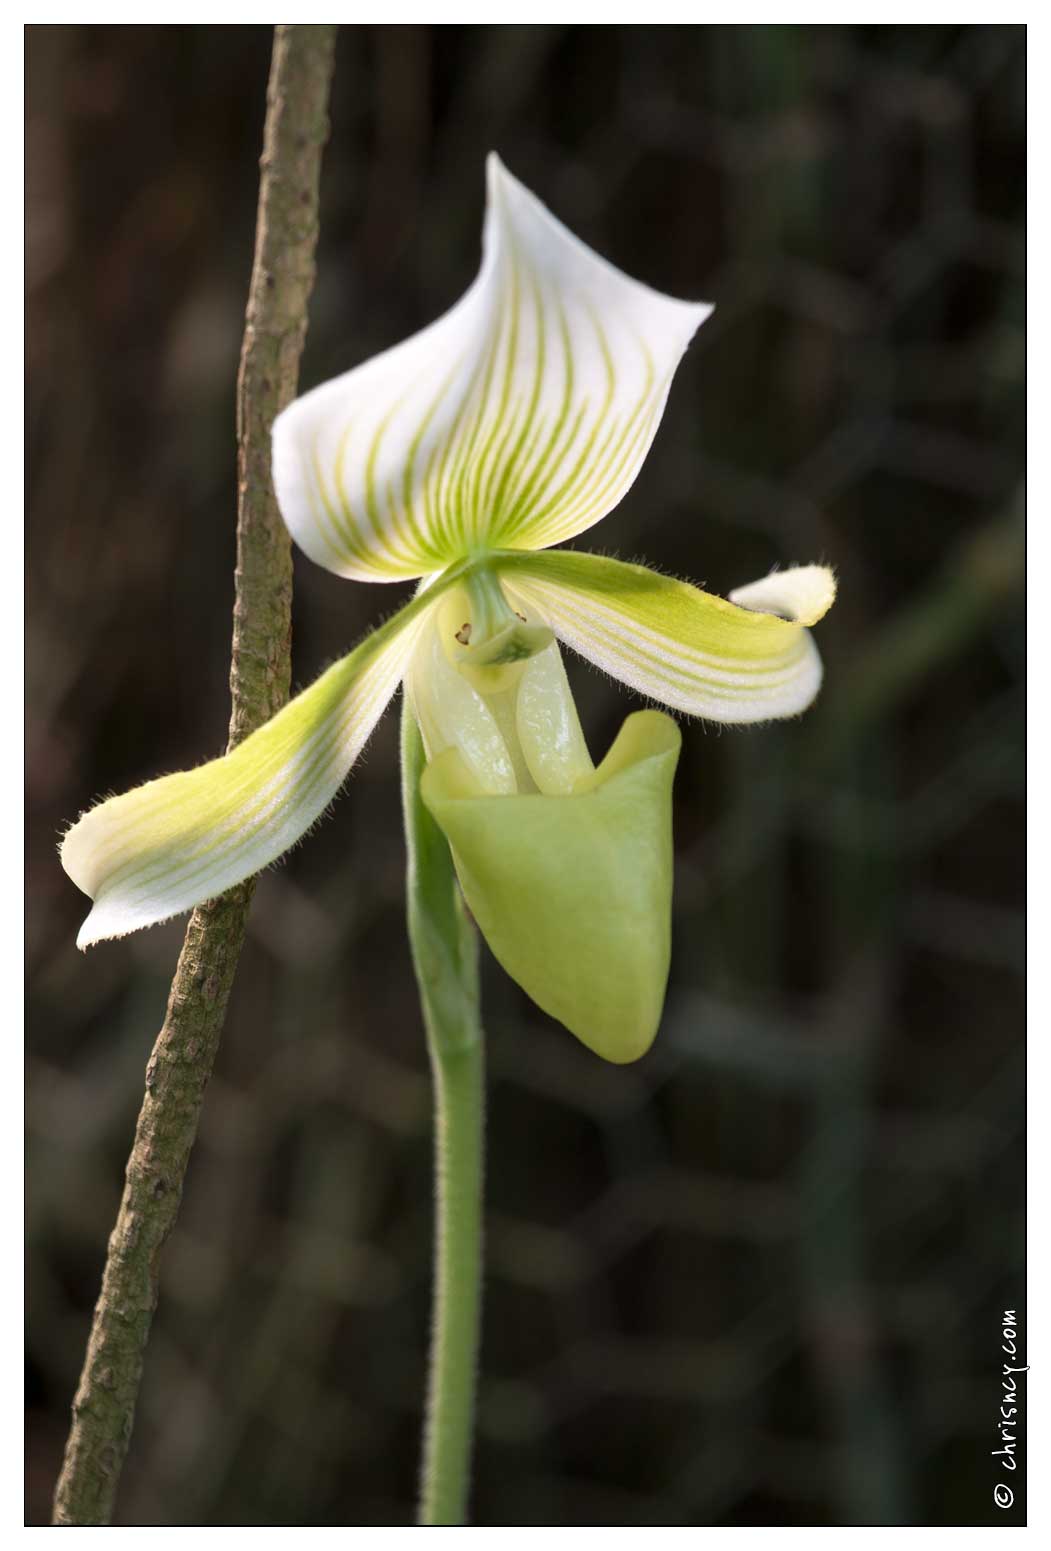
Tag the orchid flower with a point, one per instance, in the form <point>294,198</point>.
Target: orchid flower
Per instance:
<point>458,458</point>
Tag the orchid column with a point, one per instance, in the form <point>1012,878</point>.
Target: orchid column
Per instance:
<point>456,459</point>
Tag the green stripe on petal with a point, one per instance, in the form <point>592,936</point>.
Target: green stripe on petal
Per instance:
<point>518,419</point>
<point>166,846</point>
<point>683,647</point>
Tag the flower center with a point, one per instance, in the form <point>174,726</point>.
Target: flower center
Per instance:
<point>495,641</point>
<point>488,681</point>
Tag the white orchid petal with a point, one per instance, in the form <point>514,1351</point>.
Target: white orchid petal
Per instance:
<point>519,419</point>
<point>803,594</point>
<point>683,647</point>
<point>166,846</point>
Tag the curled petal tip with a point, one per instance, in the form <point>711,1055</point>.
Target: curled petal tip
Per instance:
<point>803,594</point>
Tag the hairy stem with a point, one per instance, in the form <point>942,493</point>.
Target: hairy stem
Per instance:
<point>182,1058</point>
<point>445,958</point>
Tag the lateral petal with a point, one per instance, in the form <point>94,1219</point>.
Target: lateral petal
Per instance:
<point>681,646</point>
<point>166,846</point>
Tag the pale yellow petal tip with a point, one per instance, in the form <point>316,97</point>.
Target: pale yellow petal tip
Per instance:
<point>494,171</point>
<point>804,594</point>
<point>95,929</point>
<point>74,853</point>
<point>110,919</point>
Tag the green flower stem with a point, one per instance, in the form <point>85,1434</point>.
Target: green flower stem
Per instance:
<point>445,957</point>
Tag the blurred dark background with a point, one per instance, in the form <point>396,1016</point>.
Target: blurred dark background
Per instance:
<point>758,1278</point>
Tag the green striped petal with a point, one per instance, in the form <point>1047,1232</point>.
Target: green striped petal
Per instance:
<point>748,660</point>
<point>519,419</point>
<point>168,845</point>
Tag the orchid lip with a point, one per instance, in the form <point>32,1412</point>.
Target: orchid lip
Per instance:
<point>572,891</point>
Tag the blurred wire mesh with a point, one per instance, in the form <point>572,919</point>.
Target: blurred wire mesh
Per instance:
<point>756,1279</point>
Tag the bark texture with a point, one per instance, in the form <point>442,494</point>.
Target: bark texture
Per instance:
<point>260,669</point>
